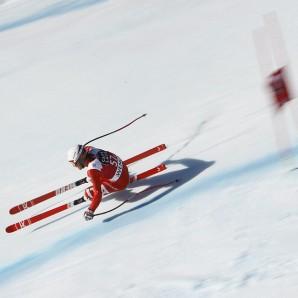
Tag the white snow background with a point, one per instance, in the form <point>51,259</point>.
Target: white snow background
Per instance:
<point>75,69</point>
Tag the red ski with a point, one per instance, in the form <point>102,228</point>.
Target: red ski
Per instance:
<point>145,154</point>
<point>29,221</point>
<point>51,194</point>
<point>60,190</point>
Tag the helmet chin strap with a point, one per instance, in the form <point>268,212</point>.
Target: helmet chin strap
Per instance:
<point>81,161</point>
<point>80,166</point>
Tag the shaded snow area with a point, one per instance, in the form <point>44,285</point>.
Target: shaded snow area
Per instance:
<point>72,70</point>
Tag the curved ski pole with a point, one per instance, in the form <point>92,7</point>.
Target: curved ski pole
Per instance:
<point>136,194</point>
<point>110,210</point>
<point>109,133</point>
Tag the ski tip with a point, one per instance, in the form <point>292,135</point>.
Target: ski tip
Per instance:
<point>9,229</point>
<point>162,167</point>
<point>13,211</point>
<point>162,147</point>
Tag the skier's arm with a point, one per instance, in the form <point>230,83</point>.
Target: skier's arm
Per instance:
<point>95,178</point>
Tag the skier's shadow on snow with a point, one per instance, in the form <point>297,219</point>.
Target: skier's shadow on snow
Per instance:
<point>192,168</point>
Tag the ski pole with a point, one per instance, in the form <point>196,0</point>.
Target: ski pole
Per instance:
<point>109,133</point>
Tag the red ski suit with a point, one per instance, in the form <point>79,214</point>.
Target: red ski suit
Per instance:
<point>107,173</point>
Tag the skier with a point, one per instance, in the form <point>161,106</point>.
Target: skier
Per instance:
<point>105,170</point>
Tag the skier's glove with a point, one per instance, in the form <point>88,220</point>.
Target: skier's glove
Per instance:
<point>88,214</point>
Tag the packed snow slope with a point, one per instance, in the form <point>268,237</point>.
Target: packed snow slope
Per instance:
<point>75,69</point>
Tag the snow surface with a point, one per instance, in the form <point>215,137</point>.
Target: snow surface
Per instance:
<point>74,69</point>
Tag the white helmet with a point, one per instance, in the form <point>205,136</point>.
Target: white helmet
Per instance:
<point>74,153</point>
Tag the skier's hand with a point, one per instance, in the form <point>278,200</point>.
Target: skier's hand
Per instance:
<point>88,214</point>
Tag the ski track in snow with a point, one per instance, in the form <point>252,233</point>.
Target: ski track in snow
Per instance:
<point>60,8</point>
<point>114,222</point>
